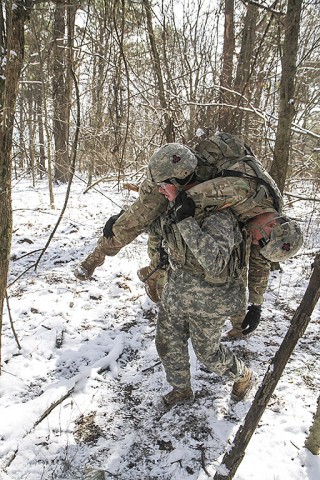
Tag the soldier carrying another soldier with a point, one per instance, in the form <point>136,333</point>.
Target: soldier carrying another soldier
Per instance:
<point>226,174</point>
<point>205,282</point>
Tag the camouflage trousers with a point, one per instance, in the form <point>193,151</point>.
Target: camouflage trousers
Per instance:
<point>192,308</point>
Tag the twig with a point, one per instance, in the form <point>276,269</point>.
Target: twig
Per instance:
<point>96,190</point>
<point>150,368</point>
<point>203,459</point>
<point>53,406</point>
<point>21,275</point>
<point>100,366</point>
<point>27,254</point>
<point>42,417</point>
<point>301,197</point>
<point>264,7</point>
<point>259,112</point>
<point>294,445</point>
<point>11,323</point>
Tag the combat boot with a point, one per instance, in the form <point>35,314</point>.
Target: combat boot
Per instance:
<point>240,387</point>
<point>85,269</point>
<point>178,396</point>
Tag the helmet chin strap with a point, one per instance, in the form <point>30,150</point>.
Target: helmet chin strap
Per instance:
<point>184,182</point>
<point>181,183</point>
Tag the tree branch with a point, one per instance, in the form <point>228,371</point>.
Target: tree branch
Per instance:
<point>301,197</point>
<point>264,7</point>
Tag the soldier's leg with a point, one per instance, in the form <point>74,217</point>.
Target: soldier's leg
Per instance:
<point>105,247</point>
<point>217,357</point>
<point>205,334</point>
<point>172,346</point>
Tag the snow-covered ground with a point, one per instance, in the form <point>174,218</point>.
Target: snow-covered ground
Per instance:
<point>84,389</point>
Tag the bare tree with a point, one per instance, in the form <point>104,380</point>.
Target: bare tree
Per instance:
<point>225,112</point>
<point>168,127</point>
<point>12,44</point>
<point>64,18</point>
<point>60,124</point>
<point>147,75</point>
<point>244,65</point>
<point>287,93</point>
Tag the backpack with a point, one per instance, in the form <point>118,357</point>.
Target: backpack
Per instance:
<point>224,153</point>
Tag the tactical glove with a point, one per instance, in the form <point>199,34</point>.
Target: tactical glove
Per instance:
<point>252,319</point>
<point>184,206</point>
<point>107,230</point>
<point>164,258</point>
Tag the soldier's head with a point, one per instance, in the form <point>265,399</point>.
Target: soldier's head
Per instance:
<point>172,163</point>
<point>279,237</point>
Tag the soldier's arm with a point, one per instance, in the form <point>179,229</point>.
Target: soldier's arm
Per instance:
<point>138,217</point>
<point>154,248</point>
<point>213,242</point>
<point>258,275</point>
<point>135,220</point>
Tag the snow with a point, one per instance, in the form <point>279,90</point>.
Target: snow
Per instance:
<point>84,390</point>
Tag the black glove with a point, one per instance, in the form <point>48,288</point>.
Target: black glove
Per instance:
<point>184,206</point>
<point>164,258</point>
<point>252,319</point>
<point>107,230</point>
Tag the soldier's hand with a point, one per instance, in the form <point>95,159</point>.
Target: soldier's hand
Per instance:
<point>252,319</point>
<point>107,230</point>
<point>184,206</point>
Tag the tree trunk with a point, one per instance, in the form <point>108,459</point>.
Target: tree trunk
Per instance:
<point>225,113</point>
<point>14,32</point>
<point>287,90</point>
<point>31,132</point>
<point>60,100</point>
<point>169,127</point>
<point>42,159</point>
<point>44,115</point>
<point>313,440</point>
<point>22,152</point>
<point>301,318</point>
<point>244,72</point>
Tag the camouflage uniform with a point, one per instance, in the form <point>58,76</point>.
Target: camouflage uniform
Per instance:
<point>205,286</point>
<point>242,195</point>
<point>151,203</point>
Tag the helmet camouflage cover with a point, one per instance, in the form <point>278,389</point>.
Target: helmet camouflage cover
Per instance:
<point>286,239</point>
<point>172,160</point>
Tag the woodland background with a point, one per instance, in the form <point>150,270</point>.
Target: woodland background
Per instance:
<point>92,87</point>
<point>89,89</point>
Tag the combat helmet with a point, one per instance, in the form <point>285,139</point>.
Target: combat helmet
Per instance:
<point>285,240</point>
<point>172,160</point>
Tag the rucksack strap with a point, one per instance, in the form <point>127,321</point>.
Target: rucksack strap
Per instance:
<point>260,181</point>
